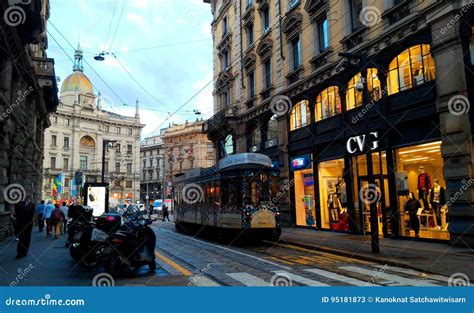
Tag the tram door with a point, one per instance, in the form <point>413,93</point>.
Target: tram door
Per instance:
<point>377,193</point>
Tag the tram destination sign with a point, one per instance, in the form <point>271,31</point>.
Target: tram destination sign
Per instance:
<point>245,158</point>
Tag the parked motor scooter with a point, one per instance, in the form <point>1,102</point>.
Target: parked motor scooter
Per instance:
<point>130,247</point>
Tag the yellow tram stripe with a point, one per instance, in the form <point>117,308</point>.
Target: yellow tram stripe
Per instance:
<point>173,264</point>
<point>280,260</point>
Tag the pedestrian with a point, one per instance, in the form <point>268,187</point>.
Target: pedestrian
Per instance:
<point>57,217</point>
<point>165,213</point>
<point>412,205</point>
<point>65,211</point>
<point>47,216</point>
<point>25,213</point>
<point>40,215</point>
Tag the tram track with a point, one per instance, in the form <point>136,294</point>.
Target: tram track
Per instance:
<point>203,272</point>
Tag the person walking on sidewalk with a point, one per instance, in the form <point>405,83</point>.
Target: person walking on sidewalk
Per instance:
<point>65,211</point>
<point>25,213</point>
<point>57,217</point>
<point>40,215</point>
<point>166,213</point>
<point>47,216</point>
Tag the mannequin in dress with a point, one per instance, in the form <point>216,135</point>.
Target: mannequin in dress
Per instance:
<point>424,186</point>
<point>437,200</point>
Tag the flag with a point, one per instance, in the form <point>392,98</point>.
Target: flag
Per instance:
<point>59,183</point>
<point>54,189</point>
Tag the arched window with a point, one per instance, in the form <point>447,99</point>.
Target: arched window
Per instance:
<point>229,144</point>
<point>299,116</point>
<point>272,128</point>
<point>411,68</point>
<point>354,97</point>
<point>328,103</point>
<point>87,142</point>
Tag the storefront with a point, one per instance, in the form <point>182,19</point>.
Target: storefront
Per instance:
<point>304,190</point>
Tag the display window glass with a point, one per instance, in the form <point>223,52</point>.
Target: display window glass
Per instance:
<point>421,191</point>
<point>333,195</point>
<point>304,197</point>
<point>378,192</point>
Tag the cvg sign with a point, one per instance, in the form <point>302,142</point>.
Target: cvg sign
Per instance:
<point>357,143</point>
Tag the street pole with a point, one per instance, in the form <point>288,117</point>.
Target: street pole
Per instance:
<point>164,182</point>
<point>374,223</point>
<point>104,144</point>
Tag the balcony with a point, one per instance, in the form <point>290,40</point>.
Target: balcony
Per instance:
<point>220,121</point>
<point>44,70</point>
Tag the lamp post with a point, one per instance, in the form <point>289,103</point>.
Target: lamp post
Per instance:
<point>374,224</point>
<point>105,145</point>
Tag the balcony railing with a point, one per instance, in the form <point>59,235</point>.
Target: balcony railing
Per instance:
<point>220,118</point>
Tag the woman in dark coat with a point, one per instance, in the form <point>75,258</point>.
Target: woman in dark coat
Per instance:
<point>411,207</point>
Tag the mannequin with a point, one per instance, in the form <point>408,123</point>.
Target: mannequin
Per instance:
<point>411,208</point>
<point>424,186</point>
<point>437,200</point>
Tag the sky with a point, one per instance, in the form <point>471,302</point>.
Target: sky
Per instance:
<point>164,45</point>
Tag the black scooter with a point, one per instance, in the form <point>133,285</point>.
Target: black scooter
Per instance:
<point>132,246</point>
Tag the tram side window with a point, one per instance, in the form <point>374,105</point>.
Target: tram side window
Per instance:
<point>231,192</point>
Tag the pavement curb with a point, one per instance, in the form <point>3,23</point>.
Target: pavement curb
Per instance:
<point>360,256</point>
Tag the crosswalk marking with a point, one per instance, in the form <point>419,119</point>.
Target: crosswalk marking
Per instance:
<point>413,272</point>
<point>380,274</point>
<point>338,277</point>
<point>248,279</point>
<point>300,279</point>
<point>202,281</point>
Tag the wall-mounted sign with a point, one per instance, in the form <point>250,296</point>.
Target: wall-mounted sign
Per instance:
<point>300,163</point>
<point>245,158</point>
<point>356,144</point>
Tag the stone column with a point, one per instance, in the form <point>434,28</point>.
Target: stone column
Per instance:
<point>457,146</point>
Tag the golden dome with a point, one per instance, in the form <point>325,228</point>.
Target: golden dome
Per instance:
<point>79,81</point>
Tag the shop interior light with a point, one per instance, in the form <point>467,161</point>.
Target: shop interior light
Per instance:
<point>418,150</point>
<point>430,144</point>
<point>416,159</point>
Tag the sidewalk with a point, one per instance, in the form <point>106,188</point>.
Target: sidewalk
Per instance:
<point>48,264</point>
<point>438,258</point>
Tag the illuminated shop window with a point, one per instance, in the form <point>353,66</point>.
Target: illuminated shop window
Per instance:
<point>328,103</point>
<point>354,97</point>
<point>421,189</point>
<point>299,116</point>
<point>413,67</point>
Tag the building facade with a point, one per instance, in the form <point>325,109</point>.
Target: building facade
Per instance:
<point>387,120</point>
<point>74,143</point>
<point>28,94</point>
<point>185,147</point>
<point>152,165</point>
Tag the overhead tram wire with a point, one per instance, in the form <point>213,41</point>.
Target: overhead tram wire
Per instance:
<point>118,25</point>
<point>100,77</point>
<point>110,24</point>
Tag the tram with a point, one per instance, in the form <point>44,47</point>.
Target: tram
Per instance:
<point>238,194</point>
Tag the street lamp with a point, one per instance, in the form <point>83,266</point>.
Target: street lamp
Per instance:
<point>361,86</point>
<point>105,145</point>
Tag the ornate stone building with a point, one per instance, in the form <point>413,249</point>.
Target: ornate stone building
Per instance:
<point>75,142</point>
<point>185,147</point>
<point>402,88</point>
<point>28,94</point>
<point>151,161</point>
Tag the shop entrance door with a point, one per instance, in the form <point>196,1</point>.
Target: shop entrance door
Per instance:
<point>378,194</point>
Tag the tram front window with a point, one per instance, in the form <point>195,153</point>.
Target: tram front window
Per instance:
<point>260,188</point>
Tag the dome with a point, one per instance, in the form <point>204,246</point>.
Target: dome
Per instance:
<point>79,81</point>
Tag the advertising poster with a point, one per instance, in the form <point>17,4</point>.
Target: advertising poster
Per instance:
<point>96,197</point>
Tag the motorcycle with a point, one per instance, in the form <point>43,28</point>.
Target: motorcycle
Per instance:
<point>87,235</point>
<point>131,246</point>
